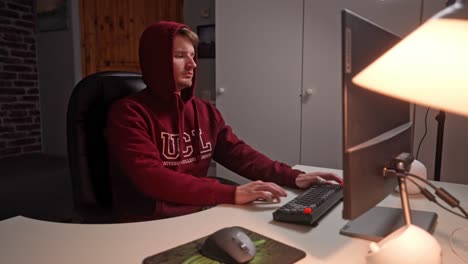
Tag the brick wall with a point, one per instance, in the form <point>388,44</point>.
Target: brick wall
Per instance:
<point>20,124</point>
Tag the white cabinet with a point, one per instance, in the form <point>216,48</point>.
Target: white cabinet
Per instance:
<point>269,52</point>
<point>321,135</point>
<point>258,66</point>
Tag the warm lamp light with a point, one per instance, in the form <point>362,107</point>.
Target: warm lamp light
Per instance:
<point>428,66</point>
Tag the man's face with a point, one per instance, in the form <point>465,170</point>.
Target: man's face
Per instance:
<point>183,62</point>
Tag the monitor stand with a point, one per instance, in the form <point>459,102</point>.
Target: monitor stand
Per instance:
<point>379,222</point>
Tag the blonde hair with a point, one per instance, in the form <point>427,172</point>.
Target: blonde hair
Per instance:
<point>190,35</point>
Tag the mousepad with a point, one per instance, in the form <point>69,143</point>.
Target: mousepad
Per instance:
<point>268,251</point>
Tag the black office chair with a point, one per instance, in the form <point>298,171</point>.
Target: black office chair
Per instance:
<point>87,153</point>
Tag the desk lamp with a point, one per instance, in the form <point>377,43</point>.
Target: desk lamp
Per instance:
<point>427,68</point>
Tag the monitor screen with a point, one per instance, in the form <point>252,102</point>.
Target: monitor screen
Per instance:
<point>376,129</point>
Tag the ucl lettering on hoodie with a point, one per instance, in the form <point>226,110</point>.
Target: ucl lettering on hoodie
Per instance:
<point>161,143</point>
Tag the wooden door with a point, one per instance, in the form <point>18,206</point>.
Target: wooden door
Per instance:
<point>111,29</point>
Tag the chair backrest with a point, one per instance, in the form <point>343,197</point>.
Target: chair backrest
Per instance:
<point>87,152</point>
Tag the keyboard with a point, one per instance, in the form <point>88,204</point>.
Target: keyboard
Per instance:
<point>310,205</point>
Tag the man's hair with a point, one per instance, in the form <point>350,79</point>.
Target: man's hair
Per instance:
<point>190,35</point>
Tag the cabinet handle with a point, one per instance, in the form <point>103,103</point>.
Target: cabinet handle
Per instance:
<point>221,90</point>
<point>309,92</point>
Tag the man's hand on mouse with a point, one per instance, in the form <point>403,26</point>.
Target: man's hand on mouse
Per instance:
<point>306,180</point>
<point>258,190</point>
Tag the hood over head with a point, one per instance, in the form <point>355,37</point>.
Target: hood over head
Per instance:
<point>156,63</point>
<point>155,53</point>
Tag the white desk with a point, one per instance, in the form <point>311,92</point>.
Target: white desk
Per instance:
<point>24,240</point>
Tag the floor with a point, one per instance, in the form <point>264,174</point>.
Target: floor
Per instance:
<point>36,186</point>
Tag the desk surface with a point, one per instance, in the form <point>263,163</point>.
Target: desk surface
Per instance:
<point>24,240</point>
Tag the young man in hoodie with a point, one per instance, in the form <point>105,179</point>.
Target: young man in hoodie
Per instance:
<point>161,140</point>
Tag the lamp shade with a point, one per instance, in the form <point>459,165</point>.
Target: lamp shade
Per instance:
<point>429,67</point>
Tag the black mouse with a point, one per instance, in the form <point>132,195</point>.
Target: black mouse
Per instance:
<point>229,245</point>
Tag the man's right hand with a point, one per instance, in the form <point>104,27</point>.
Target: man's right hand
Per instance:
<point>258,190</point>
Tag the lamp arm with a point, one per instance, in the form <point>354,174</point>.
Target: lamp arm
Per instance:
<point>404,199</point>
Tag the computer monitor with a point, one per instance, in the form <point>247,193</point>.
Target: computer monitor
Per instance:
<point>376,129</point>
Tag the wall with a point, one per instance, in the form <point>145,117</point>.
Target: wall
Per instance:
<point>59,70</point>
<point>206,67</point>
<point>20,127</point>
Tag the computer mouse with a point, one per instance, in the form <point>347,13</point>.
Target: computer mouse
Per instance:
<point>229,245</point>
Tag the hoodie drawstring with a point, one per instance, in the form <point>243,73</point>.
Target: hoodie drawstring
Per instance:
<point>196,144</point>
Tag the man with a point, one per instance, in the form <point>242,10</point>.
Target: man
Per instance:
<point>162,139</point>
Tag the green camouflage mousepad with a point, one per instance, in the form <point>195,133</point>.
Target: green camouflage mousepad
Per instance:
<point>268,251</point>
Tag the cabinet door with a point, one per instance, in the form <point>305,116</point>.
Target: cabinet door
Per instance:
<point>321,135</point>
<point>258,64</point>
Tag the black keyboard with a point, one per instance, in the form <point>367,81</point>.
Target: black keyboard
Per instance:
<point>310,205</point>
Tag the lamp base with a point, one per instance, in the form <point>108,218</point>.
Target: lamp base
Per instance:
<point>408,244</point>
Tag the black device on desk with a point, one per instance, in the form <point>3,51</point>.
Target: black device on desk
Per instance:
<point>310,205</point>
<point>229,245</point>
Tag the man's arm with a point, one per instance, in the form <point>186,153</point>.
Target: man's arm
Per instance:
<point>242,159</point>
<point>239,157</point>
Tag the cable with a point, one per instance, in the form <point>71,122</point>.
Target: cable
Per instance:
<point>425,133</point>
<point>422,179</point>
<point>414,182</point>
<point>432,198</point>
<point>443,194</point>
<point>452,247</point>
<point>463,210</point>
<point>421,12</point>
<point>449,210</point>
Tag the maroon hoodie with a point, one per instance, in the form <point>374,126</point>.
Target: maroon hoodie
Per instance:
<point>161,143</point>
